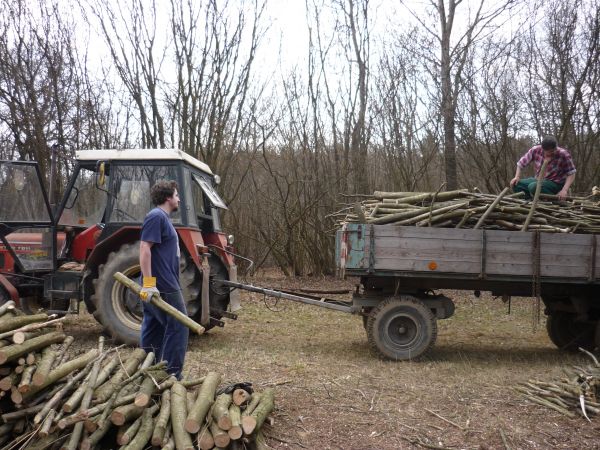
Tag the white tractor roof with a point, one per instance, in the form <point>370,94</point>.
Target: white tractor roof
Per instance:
<point>140,154</point>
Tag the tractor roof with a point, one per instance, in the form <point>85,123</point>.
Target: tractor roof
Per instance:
<point>139,154</point>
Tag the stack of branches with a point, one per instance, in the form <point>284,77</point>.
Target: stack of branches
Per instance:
<point>100,399</point>
<point>474,209</point>
<point>578,392</point>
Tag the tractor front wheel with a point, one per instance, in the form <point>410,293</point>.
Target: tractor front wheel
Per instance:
<point>118,309</point>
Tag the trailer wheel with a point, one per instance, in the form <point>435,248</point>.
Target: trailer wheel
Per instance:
<point>117,308</point>
<point>568,334</point>
<point>401,328</point>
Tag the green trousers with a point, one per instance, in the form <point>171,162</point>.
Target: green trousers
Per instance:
<point>528,185</point>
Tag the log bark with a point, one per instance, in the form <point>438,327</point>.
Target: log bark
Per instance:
<point>235,432</point>
<point>144,432</point>
<point>182,438</point>
<point>264,408</point>
<point>13,323</point>
<point>130,366</point>
<point>62,354</point>
<point>205,399</point>
<point>149,386</point>
<point>536,197</point>
<point>64,370</point>
<point>220,411</point>
<point>12,352</point>
<point>163,418</point>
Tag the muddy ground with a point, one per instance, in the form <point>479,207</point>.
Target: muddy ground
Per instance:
<point>334,392</point>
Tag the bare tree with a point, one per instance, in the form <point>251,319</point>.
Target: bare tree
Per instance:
<point>451,59</point>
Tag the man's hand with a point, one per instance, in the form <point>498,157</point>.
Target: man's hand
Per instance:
<point>514,181</point>
<point>562,195</point>
<point>148,289</point>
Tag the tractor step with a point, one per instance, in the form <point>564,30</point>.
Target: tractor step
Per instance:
<point>63,294</point>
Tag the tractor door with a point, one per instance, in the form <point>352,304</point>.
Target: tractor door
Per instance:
<point>26,223</point>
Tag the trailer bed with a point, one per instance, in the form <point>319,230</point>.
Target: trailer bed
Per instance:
<point>401,251</point>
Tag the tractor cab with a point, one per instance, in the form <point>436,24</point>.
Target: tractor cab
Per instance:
<point>52,257</point>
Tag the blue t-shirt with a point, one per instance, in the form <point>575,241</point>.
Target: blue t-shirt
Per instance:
<point>157,228</point>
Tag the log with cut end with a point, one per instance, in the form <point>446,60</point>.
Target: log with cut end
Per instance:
<point>26,379</point>
<point>149,386</point>
<point>12,352</point>
<point>205,399</point>
<point>220,411</point>
<point>144,433</point>
<point>235,432</point>
<point>240,397</point>
<point>64,370</point>
<point>126,413</point>
<point>183,440</point>
<point>260,413</point>
<point>205,439</point>
<point>220,437</point>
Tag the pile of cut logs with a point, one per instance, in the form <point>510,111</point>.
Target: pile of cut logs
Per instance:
<point>578,392</point>
<point>102,399</point>
<point>465,209</point>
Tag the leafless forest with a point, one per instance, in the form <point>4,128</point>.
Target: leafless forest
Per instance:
<point>448,93</point>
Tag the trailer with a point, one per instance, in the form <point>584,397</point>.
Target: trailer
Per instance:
<point>401,267</point>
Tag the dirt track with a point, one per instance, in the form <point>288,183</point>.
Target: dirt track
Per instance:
<point>333,392</point>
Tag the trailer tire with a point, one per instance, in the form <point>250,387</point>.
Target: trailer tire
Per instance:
<point>118,309</point>
<point>401,328</point>
<point>568,334</point>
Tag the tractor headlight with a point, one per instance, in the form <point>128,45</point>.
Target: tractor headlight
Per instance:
<point>230,239</point>
<point>217,179</point>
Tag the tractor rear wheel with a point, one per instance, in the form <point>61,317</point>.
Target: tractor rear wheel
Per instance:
<point>120,311</point>
<point>117,308</point>
<point>401,328</point>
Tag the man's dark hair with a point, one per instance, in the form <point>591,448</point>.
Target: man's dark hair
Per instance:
<point>549,143</point>
<point>162,190</point>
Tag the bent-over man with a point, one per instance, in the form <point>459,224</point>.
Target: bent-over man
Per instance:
<point>560,171</point>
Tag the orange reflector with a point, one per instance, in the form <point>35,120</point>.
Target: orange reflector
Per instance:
<point>432,265</point>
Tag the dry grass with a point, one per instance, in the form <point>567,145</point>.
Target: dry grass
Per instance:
<point>333,392</point>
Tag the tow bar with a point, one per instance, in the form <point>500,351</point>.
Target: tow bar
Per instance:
<point>307,299</point>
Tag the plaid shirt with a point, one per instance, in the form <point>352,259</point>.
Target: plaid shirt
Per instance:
<point>559,167</point>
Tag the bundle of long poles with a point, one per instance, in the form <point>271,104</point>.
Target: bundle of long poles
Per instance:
<point>473,209</point>
<point>577,393</point>
<point>111,397</point>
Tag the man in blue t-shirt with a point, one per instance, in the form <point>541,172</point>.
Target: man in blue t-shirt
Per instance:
<point>159,262</point>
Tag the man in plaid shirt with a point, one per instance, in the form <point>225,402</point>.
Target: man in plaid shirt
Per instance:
<point>560,171</point>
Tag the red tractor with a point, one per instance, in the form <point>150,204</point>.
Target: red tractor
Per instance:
<point>53,258</point>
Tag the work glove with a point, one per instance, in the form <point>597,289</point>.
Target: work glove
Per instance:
<point>148,289</point>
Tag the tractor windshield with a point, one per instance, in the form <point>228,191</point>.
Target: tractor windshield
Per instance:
<point>86,203</point>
